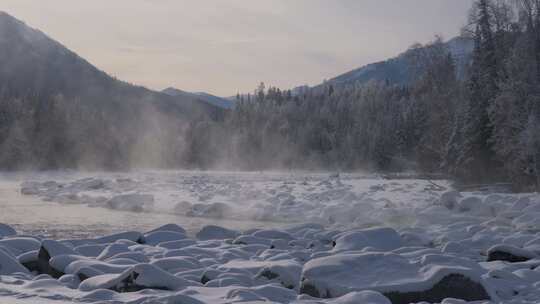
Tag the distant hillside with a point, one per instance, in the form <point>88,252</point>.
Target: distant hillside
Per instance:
<point>204,97</point>
<point>58,110</point>
<point>31,62</point>
<point>398,70</point>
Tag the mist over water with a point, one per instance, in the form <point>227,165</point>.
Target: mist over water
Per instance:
<point>33,215</point>
<point>68,204</point>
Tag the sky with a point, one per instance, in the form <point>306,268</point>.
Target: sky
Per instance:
<point>229,46</point>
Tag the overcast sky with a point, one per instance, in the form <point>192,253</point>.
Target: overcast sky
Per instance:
<point>225,46</point>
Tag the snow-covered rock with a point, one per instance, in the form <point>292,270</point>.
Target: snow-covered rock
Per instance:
<point>363,297</point>
<point>133,236</point>
<point>273,235</point>
<point>112,250</point>
<point>177,244</point>
<point>6,230</point>
<point>141,276</point>
<point>450,199</point>
<point>48,250</point>
<point>177,264</point>
<point>437,242</point>
<point>509,253</point>
<point>10,265</point>
<point>130,202</point>
<point>212,232</point>
<point>156,237</point>
<point>90,250</point>
<point>286,272</point>
<point>169,227</point>
<point>213,210</point>
<point>399,279</point>
<point>476,206</point>
<point>383,239</point>
<point>20,245</point>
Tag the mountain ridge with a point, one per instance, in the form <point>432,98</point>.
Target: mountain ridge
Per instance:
<point>459,47</point>
<point>57,110</point>
<point>32,62</point>
<point>397,70</point>
<point>203,96</point>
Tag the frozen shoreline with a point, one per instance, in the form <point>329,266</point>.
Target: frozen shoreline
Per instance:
<point>434,238</point>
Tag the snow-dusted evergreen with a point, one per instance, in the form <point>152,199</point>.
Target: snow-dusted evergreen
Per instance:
<point>473,116</point>
<point>453,110</point>
<point>480,127</point>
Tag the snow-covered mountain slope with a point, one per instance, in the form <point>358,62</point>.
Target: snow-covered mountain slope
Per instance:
<point>202,96</point>
<point>397,70</point>
<point>43,81</point>
<point>31,63</point>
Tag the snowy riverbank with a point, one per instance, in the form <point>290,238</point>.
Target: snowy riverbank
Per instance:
<point>341,239</point>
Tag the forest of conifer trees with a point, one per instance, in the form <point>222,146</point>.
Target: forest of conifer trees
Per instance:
<point>482,127</point>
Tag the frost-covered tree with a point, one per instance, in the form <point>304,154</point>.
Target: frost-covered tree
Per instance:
<point>477,155</point>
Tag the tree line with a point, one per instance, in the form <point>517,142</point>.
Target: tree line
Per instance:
<point>480,122</point>
<point>484,126</point>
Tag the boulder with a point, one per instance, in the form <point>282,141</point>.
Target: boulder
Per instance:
<point>139,277</point>
<point>87,268</point>
<point>251,240</point>
<point>130,202</point>
<point>20,245</point>
<point>509,253</point>
<point>475,206</point>
<point>212,232</point>
<point>273,235</point>
<point>177,244</point>
<point>383,239</point>
<point>9,264</point>
<point>6,230</point>
<point>156,237</point>
<point>49,249</point>
<point>363,297</point>
<point>90,250</point>
<point>29,260</point>
<point>112,250</point>
<point>450,199</point>
<point>432,279</point>
<point>169,227</point>
<point>133,236</point>
<point>176,263</point>
<point>213,210</point>
<point>286,272</point>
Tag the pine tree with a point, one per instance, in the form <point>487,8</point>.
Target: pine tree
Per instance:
<point>477,156</point>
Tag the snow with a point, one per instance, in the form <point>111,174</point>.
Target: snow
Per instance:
<point>176,264</point>
<point>169,228</point>
<point>131,202</point>
<point>129,235</point>
<point>269,237</point>
<point>6,230</point>
<point>9,264</point>
<point>156,237</point>
<point>340,274</point>
<point>55,248</point>
<point>19,245</point>
<point>364,297</point>
<point>510,252</point>
<point>212,232</point>
<point>384,239</point>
